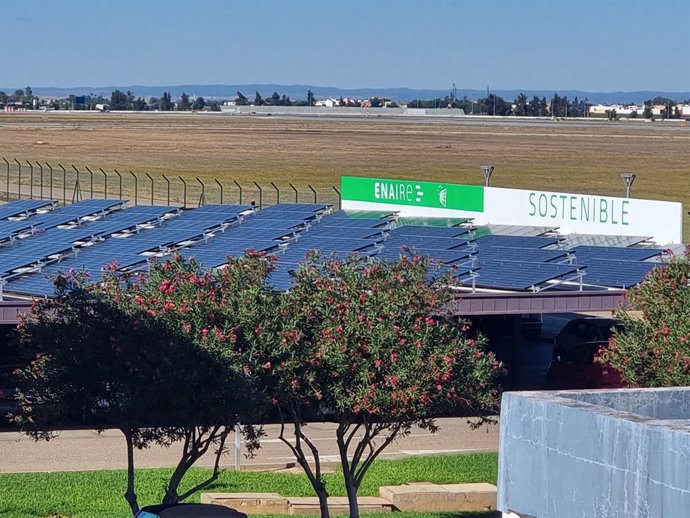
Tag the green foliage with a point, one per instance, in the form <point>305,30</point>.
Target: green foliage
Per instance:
<point>184,105</point>
<point>158,358</point>
<point>241,99</point>
<point>119,101</point>
<point>166,103</point>
<point>653,347</point>
<point>357,342</point>
<point>199,103</point>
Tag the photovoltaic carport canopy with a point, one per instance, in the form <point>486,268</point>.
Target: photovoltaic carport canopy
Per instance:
<point>516,262</point>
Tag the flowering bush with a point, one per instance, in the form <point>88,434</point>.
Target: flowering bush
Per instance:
<point>365,344</point>
<point>653,347</point>
<point>158,356</point>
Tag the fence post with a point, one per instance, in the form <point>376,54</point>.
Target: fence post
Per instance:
<point>120,177</point>
<point>7,164</point>
<point>168,182</point>
<point>136,188</point>
<point>31,178</point>
<point>64,184</point>
<point>91,175</point>
<point>202,196</point>
<point>19,180</point>
<point>339,196</point>
<point>261,195</point>
<point>240,188</point>
<point>315,195</point>
<point>184,192</point>
<point>277,193</point>
<point>51,181</point>
<point>41,169</point>
<point>151,178</point>
<point>220,186</point>
<point>77,186</point>
<point>105,183</point>
<point>296,193</point>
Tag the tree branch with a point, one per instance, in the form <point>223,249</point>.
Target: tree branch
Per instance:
<point>216,468</point>
<point>359,475</point>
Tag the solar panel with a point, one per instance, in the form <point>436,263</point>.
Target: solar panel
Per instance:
<point>573,240</point>
<point>517,241</point>
<point>430,232</point>
<point>519,261</point>
<point>435,243</point>
<point>514,230</point>
<point>585,254</point>
<point>520,275</point>
<point>75,212</point>
<point>538,255</point>
<point>23,207</point>
<point>617,274</point>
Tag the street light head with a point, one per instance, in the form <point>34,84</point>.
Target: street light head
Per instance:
<point>628,179</point>
<point>488,171</point>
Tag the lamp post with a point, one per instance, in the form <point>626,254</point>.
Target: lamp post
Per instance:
<point>488,171</point>
<point>628,179</point>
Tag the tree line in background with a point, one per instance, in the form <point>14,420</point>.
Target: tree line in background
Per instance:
<point>521,106</point>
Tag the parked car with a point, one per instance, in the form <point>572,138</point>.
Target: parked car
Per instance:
<point>581,330</point>
<point>188,511</point>
<point>578,368</point>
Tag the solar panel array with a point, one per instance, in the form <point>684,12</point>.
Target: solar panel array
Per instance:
<point>92,234</point>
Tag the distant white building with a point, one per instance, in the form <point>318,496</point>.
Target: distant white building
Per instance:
<point>625,110</point>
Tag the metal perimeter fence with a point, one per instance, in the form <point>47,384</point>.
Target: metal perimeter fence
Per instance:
<point>69,183</point>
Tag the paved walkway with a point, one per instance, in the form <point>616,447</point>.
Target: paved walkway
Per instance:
<point>87,450</point>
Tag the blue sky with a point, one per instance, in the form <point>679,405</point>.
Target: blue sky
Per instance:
<point>594,45</point>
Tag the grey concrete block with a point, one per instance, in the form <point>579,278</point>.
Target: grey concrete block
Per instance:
<point>607,453</point>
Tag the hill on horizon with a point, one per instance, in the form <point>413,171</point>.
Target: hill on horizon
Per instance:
<point>299,92</point>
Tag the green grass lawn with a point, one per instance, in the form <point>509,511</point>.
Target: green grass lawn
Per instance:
<point>98,494</point>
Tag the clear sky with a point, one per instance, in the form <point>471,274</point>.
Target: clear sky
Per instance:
<point>594,45</point>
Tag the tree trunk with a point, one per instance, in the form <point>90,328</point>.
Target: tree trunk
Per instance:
<point>350,485</point>
<point>323,502</point>
<point>352,498</point>
<point>130,495</point>
<point>171,495</point>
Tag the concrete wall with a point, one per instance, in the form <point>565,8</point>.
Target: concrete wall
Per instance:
<point>587,454</point>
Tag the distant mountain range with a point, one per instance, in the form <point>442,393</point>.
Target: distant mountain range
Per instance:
<point>299,92</point>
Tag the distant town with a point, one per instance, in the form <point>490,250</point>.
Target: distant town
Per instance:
<point>521,106</point>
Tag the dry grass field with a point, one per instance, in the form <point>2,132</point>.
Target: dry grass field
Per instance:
<point>558,156</point>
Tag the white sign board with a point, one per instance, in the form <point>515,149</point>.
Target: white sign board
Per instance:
<point>661,221</point>
<point>585,213</point>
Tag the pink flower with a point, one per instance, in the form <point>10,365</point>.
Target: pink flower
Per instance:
<point>167,287</point>
<point>204,332</point>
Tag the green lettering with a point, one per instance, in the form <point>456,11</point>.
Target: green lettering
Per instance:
<point>584,208</point>
<point>573,207</point>
<point>624,212</point>
<point>603,211</point>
